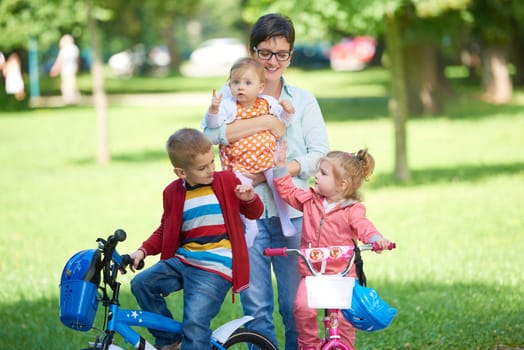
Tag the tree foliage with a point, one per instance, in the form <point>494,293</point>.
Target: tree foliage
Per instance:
<point>43,20</point>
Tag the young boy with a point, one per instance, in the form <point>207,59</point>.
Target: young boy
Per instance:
<point>200,240</point>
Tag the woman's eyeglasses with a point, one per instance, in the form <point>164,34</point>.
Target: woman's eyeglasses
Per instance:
<point>267,54</point>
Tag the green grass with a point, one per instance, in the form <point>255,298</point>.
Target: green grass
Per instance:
<point>456,277</point>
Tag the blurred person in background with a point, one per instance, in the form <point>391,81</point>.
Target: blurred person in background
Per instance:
<point>12,71</point>
<point>66,65</point>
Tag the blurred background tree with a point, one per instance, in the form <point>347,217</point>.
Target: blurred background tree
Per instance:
<point>422,39</point>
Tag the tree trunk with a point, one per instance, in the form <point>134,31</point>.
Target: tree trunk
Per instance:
<point>398,104</point>
<point>99,95</point>
<point>518,58</point>
<point>170,42</point>
<point>496,80</point>
<point>421,70</point>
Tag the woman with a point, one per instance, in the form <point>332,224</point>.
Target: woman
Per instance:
<point>271,42</point>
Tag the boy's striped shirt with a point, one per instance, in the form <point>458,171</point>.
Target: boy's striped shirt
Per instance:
<point>205,242</point>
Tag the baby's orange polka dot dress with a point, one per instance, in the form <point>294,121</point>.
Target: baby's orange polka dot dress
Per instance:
<point>254,153</point>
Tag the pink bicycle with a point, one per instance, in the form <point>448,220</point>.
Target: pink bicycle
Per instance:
<point>336,293</point>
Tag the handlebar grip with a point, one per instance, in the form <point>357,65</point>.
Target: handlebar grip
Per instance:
<point>275,251</point>
<point>120,235</point>
<point>376,247</point>
<point>126,260</point>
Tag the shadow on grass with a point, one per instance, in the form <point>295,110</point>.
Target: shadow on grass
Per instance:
<point>454,316</point>
<point>428,176</point>
<point>358,108</point>
<point>471,107</point>
<point>468,107</point>
<point>145,156</point>
<point>35,325</point>
<point>464,173</point>
<point>430,316</point>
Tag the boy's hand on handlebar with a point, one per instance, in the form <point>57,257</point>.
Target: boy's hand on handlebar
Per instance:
<point>137,256</point>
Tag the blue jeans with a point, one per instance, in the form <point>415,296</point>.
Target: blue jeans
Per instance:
<point>257,300</point>
<point>204,293</point>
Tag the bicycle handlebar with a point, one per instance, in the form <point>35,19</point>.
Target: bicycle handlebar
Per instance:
<point>109,249</point>
<point>119,236</point>
<point>318,254</point>
<point>284,251</point>
<point>275,251</point>
<point>126,260</point>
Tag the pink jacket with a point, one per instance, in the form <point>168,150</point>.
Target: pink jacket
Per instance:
<point>342,224</point>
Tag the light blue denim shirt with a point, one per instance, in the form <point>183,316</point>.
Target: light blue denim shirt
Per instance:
<point>306,138</point>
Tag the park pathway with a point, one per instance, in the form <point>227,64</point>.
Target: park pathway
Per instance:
<point>149,99</point>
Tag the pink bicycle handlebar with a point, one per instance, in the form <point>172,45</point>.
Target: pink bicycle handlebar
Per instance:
<point>275,251</point>
<point>315,255</point>
<point>284,251</point>
<point>375,246</point>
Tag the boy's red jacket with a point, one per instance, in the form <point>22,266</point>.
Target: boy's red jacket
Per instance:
<point>166,238</point>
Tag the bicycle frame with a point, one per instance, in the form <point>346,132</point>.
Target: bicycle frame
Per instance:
<point>313,255</point>
<point>123,319</point>
<point>118,320</point>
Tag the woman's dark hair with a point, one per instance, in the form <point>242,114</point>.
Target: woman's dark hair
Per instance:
<point>270,26</point>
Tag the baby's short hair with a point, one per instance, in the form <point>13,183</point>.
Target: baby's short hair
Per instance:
<point>184,145</point>
<point>245,63</point>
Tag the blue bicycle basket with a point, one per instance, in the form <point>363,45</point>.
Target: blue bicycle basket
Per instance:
<point>78,290</point>
<point>368,312</point>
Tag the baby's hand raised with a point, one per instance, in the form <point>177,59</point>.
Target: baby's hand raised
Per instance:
<point>245,192</point>
<point>215,102</point>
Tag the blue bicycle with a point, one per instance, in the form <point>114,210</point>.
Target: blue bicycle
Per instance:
<point>89,278</point>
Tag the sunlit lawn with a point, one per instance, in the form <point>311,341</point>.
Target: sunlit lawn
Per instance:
<point>456,277</point>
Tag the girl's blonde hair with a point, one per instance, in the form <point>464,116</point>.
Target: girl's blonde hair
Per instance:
<point>352,167</point>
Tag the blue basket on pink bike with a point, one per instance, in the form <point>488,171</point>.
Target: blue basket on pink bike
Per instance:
<point>78,290</point>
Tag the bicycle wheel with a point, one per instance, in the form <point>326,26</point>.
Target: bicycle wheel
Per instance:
<point>244,338</point>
